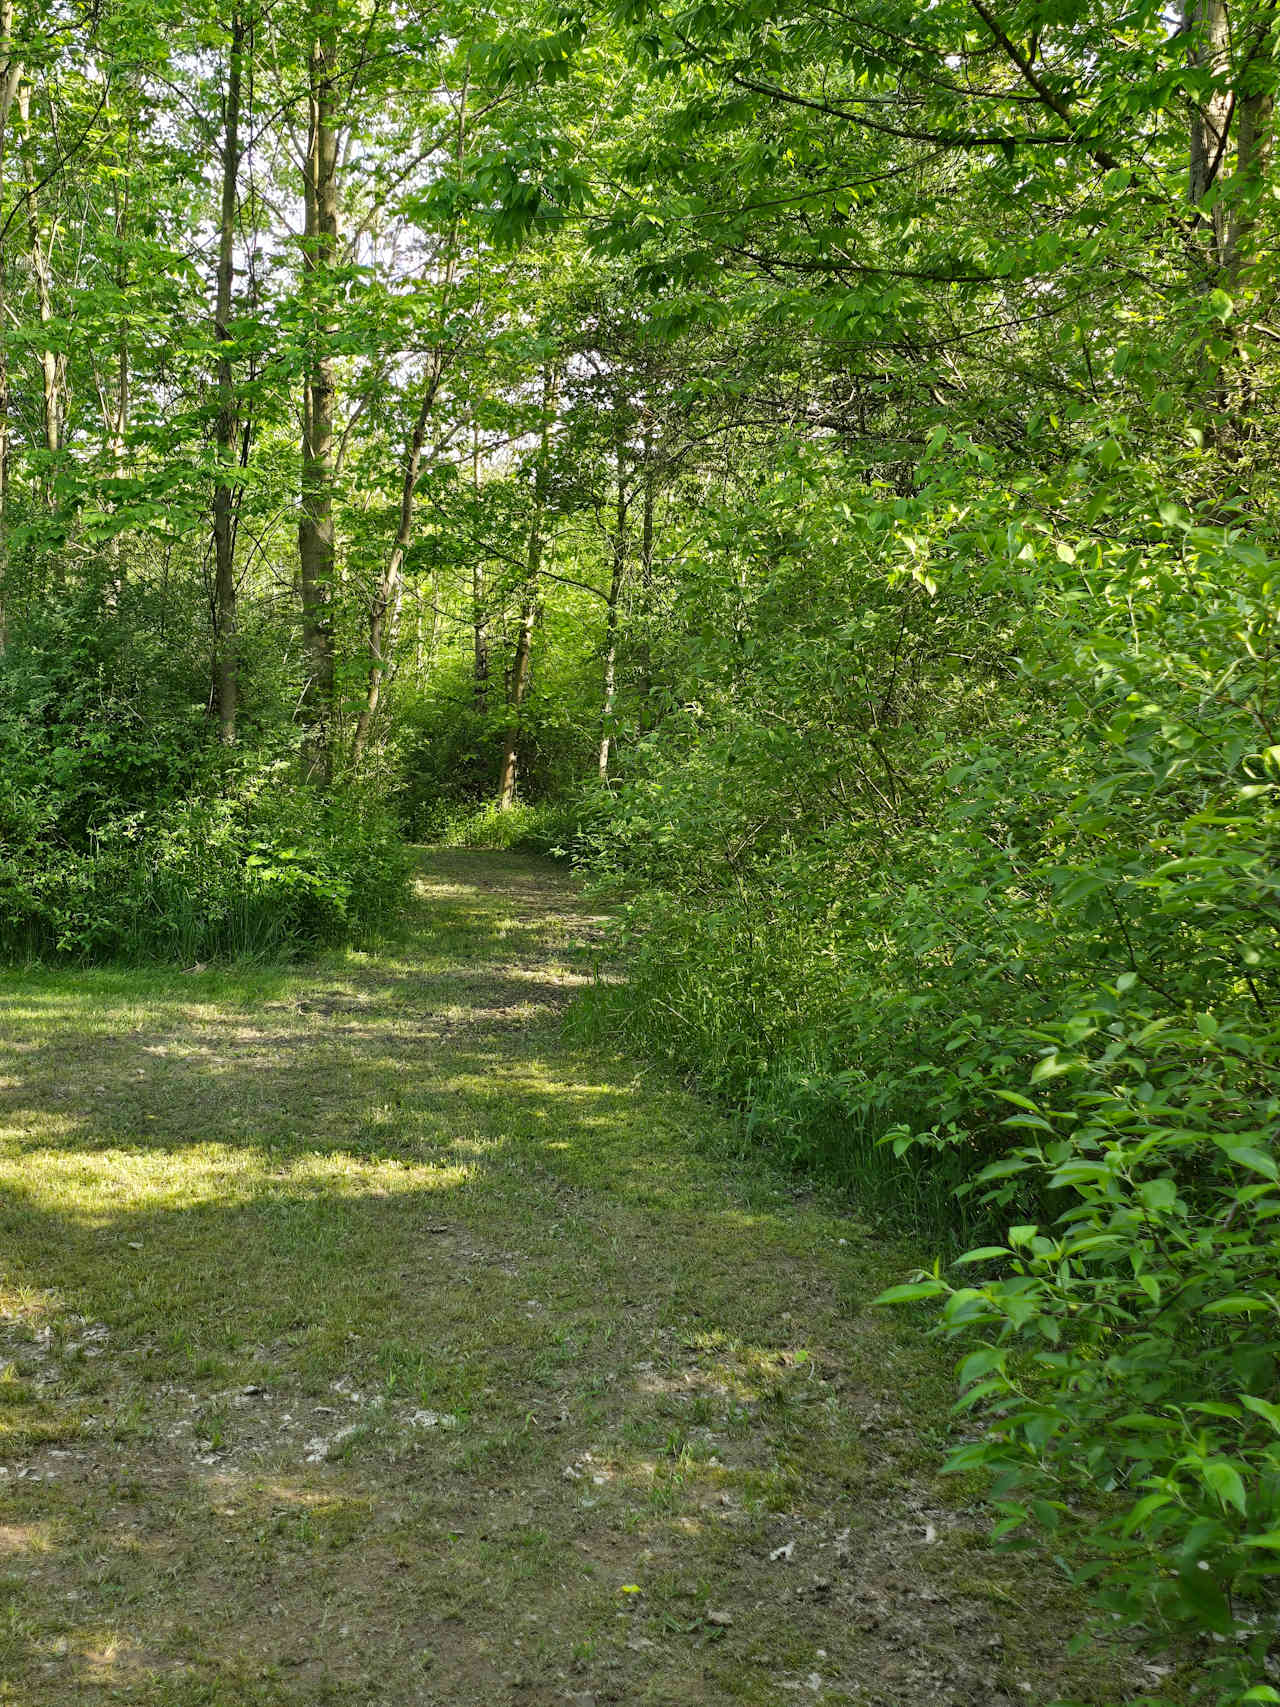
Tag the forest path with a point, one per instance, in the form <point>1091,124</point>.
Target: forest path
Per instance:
<point>366,1341</point>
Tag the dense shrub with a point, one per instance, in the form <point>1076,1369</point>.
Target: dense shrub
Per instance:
<point>969,870</point>
<point>217,878</point>
<point>125,834</point>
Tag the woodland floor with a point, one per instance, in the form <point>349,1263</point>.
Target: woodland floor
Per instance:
<point>365,1339</point>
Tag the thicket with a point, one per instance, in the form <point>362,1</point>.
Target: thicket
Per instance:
<point>967,894</point>
<point>127,833</point>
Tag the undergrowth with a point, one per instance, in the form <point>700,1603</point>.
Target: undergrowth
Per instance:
<point>995,946</point>
<point>127,834</point>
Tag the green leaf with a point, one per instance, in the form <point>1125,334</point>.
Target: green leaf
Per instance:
<point>1224,1479</point>
<point>1205,1598</point>
<point>910,1291</point>
<point>1262,1408</point>
<point>1245,1156</point>
<point>1019,1101</point>
<point>1145,1508</point>
<point>1050,1066</point>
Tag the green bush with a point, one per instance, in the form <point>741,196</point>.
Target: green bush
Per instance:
<point>276,873</point>
<point>1130,1347</point>
<point>968,869</point>
<point>126,833</point>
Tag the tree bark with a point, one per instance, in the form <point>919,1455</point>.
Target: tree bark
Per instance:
<point>118,424</point>
<point>647,484</point>
<point>1208,25</point>
<point>385,609</point>
<point>226,683</point>
<point>479,614</point>
<point>1254,138</point>
<point>316,551</point>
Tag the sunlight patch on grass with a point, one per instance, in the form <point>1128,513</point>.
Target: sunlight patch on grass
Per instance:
<point>362,1338</point>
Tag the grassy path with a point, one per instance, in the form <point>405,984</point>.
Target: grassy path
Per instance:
<point>362,1341</point>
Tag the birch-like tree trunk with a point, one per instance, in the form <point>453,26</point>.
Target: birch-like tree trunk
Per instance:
<point>53,365</point>
<point>384,611</point>
<point>385,608</point>
<point>616,578</point>
<point>479,610</point>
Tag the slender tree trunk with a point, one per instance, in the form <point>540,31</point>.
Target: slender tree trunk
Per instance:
<point>386,601</point>
<point>1229,151</point>
<point>479,640</point>
<point>479,614</point>
<point>226,684</point>
<point>316,554</point>
<point>53,367</point>
<point>10,76</point>
<point>520,669</point>
<point>1255,137</point>
<point>646,571</point>
<point>616,579</point>
<point>121,403</point>
<point>1254,128</point>
<point>519,681</point>
<point>385,609</point>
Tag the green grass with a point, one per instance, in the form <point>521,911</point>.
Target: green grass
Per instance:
<point>365,1339</point>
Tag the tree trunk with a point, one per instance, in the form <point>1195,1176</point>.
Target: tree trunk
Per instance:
<point>611,614</point>
<point>385,609</point>
<point>519,687</point>
<point>315,527</point>
<point>479,615</point>
<point>53,366</point>
<point>1229,152</point>
<point>386,600</point>
<point>118,425</point>
<point>519,684</point>
<point>479,640</point>
<point>225,668</point>
<point>10,75</point>
<point>646,575</point>
<point>1207,23</point>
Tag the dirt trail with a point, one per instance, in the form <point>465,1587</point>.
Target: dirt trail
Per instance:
<point>365,1341</point>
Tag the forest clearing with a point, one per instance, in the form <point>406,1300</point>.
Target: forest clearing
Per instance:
<point>367,1342</point>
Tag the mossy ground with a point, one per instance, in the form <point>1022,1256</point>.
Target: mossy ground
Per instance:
<point>366,1341</point>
